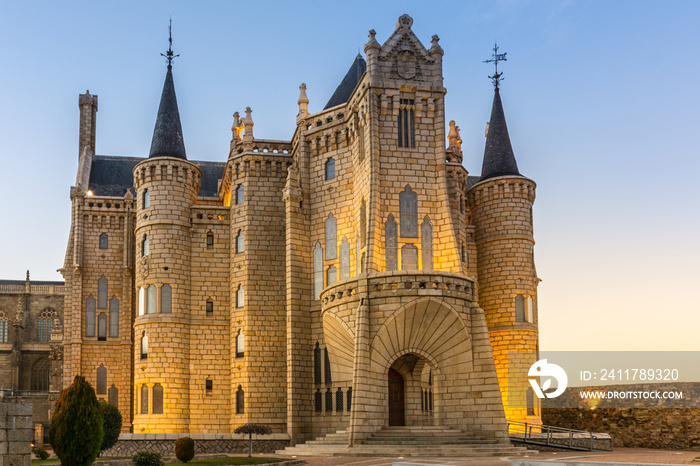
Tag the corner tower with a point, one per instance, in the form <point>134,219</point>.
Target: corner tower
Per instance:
<point>166,187</point>
<point>501,207</point>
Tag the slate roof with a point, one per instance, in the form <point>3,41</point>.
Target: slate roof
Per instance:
<point>167,134</point>
<point>499,159</point>
<point>112,176</point>
<point>349,83</point>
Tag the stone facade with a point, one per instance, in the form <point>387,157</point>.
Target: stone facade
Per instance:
<point>31,319</point>
<point>16,432</point>
<point>353,277</point>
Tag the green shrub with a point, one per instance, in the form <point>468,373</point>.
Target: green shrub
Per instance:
<point>112,425</point>
<point>76,432</point>
<point>184,449</point>
<point>40,453</point>
<point>147,458</point>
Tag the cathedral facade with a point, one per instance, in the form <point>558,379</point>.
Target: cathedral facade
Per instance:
<point>353,277</point>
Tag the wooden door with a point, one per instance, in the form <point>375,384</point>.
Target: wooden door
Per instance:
<point>396,405</point>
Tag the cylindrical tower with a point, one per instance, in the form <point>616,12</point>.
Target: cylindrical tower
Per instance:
<point>501,208</point>
<point>166,188</point>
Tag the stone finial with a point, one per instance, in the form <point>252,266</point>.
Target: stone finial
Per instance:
<point>27,279</point>
<point>404,22</point>
<point>453,136</point>
<point>128,196</point>
<point>435,47</point>
<point>248,125</point>
<point>372,42</point>
<point>303,103</point>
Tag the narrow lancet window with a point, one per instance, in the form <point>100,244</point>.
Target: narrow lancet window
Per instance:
<point>390,242</point>
<point>101,387</point>
<point>114,317</point>
<point>408,213</point>
<point>145,249</point>
<point>327,367</point>
<point>363,224</point>
<point>318,271</point>
<point>331,238</point>
<point>519,308</point>
<point>90,317</point>
<point>317,365</point>
<point>102,293</point>
<point>142,300</point>
<point>104,241</point>
<point>344,259</point>
<point>102,327</point>
<point>406,124</point>
<point>240,242</point>
<point>240,344</point>
<point>144,399</point>
<point>151,299</point>
<point>240,297</point>
<point>331,275</point>
<point>240,400</point>
<point>157,398</point>
<point>330,169</point>
<point>426,233</point>
<point>240,197</point>
<point>146,198</point>
<point>144,346</point>
<point>114,396</point>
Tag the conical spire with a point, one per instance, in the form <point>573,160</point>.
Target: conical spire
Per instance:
<point>167,135</point>
<point>349,82</point>
<point>499,159</point>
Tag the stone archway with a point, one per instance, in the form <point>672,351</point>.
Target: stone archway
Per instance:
<point>410,395</point>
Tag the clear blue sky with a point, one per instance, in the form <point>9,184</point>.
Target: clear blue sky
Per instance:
<point>601,99</point>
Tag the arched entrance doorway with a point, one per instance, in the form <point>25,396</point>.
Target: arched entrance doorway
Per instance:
<point>397,410</point>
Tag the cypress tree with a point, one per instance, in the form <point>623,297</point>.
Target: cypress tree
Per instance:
<point>76,428</point>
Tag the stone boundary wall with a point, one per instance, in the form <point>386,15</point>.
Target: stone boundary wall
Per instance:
<point>130,444</point>
<point>130,463</point>
<point>16,433</point>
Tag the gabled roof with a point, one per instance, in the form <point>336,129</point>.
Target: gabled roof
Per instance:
<point>167,134</point>
<point>349,83</point>
<point>499,159</point>
<point>112,176</point>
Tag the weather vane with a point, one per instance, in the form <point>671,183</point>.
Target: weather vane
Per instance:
<point>496,78</point>
<point>169,54</point>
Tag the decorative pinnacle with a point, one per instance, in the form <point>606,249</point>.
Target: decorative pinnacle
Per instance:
<point>496,57</point>
<point>169,54</point>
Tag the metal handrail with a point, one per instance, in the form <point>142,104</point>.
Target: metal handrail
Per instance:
<point>556,436</point>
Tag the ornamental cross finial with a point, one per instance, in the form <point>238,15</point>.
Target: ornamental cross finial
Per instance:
<point>169,54</point>
<point>496,57</point>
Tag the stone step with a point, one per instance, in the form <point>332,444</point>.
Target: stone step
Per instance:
<point>363,450</point>
<point>423,441</point>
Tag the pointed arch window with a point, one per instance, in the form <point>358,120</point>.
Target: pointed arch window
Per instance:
<point>151,299</point>
<point>4,328</point>
<point>390,243</point>
<point>339,400</point>
<point>102,288</point>
<point>318,401</point>
<point>113,396</point>
<point>144,345</point>
<point>426,233</point>
<point>240,297</point>
<point>104,241</point>
<point>408,213</point>
<point>327,367</point>
<point>530,309</point>
<point>331,275</point>
<point>43,325</point>
<point>166,299</point>
<point>349,398</point>
<point>157,399</point>
<point>317,365</point>
<point>330,169</point>
<point>240,400</point>
<point>101,386</point>
<point>102,327</point>
<point>240,194</point>
<point>344,259</point>
<point>409,257</point>
<point>40,375</point>
<point>331,238</point>
<point>240,344</point>
<point>145,248</point>
<point>144,399</point>
<point>146,198</point>
<point>329,401</point>
<point>90,304</point>
<point>114,317</point>
<point>363,223</point>
<point>240,242</point>
<point>318,271</point>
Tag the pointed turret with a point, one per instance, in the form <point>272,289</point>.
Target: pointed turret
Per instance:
<point>349,82</point>
<point>499,159</point>
<point>167,135</point>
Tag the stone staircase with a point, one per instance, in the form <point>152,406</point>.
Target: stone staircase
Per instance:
<point>406,442</point>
